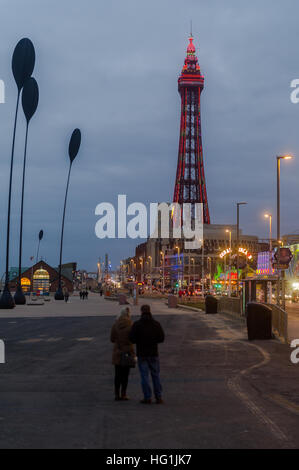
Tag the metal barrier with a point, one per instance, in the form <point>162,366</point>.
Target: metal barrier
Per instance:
<point>279,322</point>
<point>231,305</point>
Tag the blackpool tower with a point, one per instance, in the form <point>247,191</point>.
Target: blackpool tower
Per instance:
<point>190,185</point>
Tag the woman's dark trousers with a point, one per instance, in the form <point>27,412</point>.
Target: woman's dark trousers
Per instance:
<point>121,380</point>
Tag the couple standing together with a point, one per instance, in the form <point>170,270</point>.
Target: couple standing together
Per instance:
<point>146,333</point>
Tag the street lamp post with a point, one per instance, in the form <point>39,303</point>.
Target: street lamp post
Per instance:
<point>150,271</point>
<point>230,263</point>
<point>121,272</point>
<point>210,273</point>
<point>238,242</point>
<point>30,97</point>
<point>193,263</point>
<point>40,237</point>
<point>132,264</point>
<point>269,216</point>
<point>74,147</point>
<point>141,271</point>
<point>23,63</point>
<point>203,267</point>
<point>179,262</point>
<point>163,271</point>
<point>280,274</point>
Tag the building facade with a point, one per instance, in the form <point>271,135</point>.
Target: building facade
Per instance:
<point>43,278</point>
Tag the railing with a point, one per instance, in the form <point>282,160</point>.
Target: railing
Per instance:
<point>231,305</point>
<point>279,322</point>
<point>191,300</point>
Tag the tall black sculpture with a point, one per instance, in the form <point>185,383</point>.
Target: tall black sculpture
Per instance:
<point>40,237</point>
<point>23,62</point>
<point>74,147</point>
<point>30,98</point>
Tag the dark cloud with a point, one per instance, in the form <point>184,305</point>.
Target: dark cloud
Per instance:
<point>111,68</point>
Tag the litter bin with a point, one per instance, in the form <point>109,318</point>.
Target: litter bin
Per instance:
<point>172,301</point>
<point>259,321</point>
<point>211,304</point>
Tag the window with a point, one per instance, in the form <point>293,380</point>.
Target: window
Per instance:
<point>41,280</point>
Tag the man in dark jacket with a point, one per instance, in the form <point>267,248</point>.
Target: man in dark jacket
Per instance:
<point>147,333</point>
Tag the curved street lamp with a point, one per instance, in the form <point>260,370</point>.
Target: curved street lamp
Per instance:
<point>23,62</point>
<point>30,97</point>
<point>74,147</point>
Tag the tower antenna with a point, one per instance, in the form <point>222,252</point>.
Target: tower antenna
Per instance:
<point>191,29</point>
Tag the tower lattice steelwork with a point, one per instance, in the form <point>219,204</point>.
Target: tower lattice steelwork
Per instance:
<point>190,186</point>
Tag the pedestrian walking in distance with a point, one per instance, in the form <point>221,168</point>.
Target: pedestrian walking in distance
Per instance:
<point>66,296</point>
<point>123,357</point>
<point>147,333</point>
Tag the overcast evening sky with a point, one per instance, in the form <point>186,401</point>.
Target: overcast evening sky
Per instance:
<point>111,68</point>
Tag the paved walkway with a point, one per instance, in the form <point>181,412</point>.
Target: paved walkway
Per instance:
<point>97,306</point>
<point>93,307</point>
<point>56,390</point>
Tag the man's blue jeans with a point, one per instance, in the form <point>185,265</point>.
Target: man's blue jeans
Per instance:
<point>150,365</point>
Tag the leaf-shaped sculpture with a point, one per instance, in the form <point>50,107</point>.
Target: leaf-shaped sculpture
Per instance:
<point>41,235</point>
<point>23,62</point>
<point>75,143</point>
<point>30,98</point>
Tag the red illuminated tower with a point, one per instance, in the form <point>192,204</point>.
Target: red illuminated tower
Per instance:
<point>190,185</point>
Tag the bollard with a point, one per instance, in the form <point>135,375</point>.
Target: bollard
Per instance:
<point>172,301</point>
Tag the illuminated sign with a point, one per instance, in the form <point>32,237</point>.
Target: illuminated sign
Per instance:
<point>243,251</point>
<point>264,263</point>
<point>225,252</point>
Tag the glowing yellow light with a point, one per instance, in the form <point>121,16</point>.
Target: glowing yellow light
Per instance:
<point>285,157</point>
<point>225,252</point>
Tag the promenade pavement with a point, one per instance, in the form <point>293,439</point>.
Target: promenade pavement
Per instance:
<point>220,391</point>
